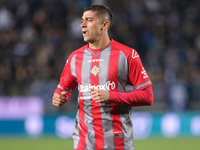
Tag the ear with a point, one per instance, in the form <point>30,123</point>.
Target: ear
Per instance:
<point>105,25</point>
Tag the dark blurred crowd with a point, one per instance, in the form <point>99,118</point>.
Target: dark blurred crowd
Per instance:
<point>37,36</point>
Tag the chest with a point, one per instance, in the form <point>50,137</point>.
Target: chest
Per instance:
<point>102,71</point>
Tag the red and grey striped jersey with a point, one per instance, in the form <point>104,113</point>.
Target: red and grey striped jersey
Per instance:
<point>115,68</point>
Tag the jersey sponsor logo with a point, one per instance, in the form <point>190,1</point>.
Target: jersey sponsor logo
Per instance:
<point>144,73</point>
<point>95,60</point>
<point>95,70</point>
<point>134,54</point>
<point>108,86</point>
<point>86,97</point>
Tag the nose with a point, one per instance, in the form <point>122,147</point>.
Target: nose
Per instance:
<point>83,24</point>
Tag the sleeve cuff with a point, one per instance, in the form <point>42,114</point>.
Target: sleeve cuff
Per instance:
<point>112,97</point>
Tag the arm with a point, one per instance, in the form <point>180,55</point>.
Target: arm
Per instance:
<point>65,87</point>
<point>143,95</point>
<point>139,79</point>
<point>140,97</point>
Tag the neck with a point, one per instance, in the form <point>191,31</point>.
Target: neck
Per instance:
<point>101,43</point>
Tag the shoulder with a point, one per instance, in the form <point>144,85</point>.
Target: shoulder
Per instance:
<point>76,52</point>
<point>80,50</point>
<point>128,51</point>
<point>120,46</point>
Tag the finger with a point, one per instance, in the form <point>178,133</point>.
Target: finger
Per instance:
<point>95,93</point>
<point>63,94</point>
<point>60,97</point>
<point>60,101</point>
<point>98,101</point>
<point>94,90</point>
<point>91,89</point>
<point>56,99</point>
<point>96,98</point>
<point>58,104</point>
<point>55,103</point>
<point>56,95</point>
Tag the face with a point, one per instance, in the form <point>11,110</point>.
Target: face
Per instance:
<point>91,26</point>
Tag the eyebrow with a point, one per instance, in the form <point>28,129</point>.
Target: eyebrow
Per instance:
<point>86,18</point>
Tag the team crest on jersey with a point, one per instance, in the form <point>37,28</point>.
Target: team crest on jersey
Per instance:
<point>134,54</point>
<point>95,70</point>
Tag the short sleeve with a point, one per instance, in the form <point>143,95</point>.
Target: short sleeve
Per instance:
<point>137,73</point>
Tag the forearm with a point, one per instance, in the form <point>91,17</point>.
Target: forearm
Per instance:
<point>139,97</point>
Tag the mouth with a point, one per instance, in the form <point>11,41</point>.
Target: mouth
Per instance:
<point>85,32</point>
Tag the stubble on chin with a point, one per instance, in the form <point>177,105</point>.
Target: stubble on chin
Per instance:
<point>88,40</point>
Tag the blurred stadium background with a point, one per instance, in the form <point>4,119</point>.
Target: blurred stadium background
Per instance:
<point>36,38</point>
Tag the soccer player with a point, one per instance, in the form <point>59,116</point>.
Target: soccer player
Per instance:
<point>110,78</point>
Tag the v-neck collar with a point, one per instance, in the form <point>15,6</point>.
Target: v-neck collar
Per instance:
<point>99,50</point>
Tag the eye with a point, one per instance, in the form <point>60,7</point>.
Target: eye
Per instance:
<point>89,19</point>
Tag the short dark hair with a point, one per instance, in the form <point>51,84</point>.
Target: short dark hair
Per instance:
<point>102,11</point>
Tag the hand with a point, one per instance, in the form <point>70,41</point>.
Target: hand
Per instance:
<point>59,99</point>
<point>100,96</point>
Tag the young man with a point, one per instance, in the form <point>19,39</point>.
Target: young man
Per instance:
<point>110,78</point>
